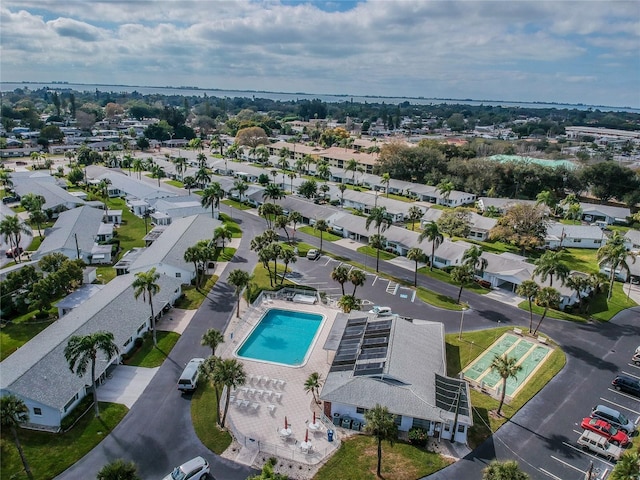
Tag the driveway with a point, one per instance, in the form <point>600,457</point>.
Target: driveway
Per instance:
<point>126,384</point>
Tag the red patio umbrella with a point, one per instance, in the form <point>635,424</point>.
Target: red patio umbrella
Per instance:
<point>306,435</point>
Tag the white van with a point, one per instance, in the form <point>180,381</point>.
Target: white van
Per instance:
<point>189,378</point>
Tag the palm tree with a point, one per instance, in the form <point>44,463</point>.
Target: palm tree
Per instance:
<point>321,226</point>
<point>272,192</point>
<point>445,188</point>
<point>378,242</point>
<point>506,367</point>
<point>547,297</point>
<point>291,176</point>
<point>548,199</point>
<point>118,470</point>
<point>145,285</point>
<point>323,171</point>
<point>342,187</point>
<point>269,211</point>
<point>294,218</point>
<point>262,153</point>
<point>207,371</point>
<point>14,412</point>
<point>12,229</point>
<point>202,176</point>
<point>462,275</point>
<point>348,303</point>
<point>82,351</point>
<point>614,254</point>
<point>313,384</point>
<point>549,265</point>
<point>414,214</point>
<point>230,373</point>
<point>529,290</point>
<point>627,468</point>
<point>573,212</point>
<point>416,255</point>
<point>211,197</point>
<point>385,180</point>
<point>578,283</point>
<point>432,233</point>
<point>38,217</point>
<point>381,220</point>
<point>508,470</point>
<point>222,233</point>
<point>212,338</point>
<point>341,275</point>
<point>138,167</point>
<point>180,165</point>
<point>473,257</point>
<point>240,186</point>
<point>381,424</point>
<point>352,166</point>
<point>239,279</point>
<point>357,278</point>
<point>189,183</point>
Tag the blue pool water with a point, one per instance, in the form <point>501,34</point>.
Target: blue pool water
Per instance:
<point>281,336</point>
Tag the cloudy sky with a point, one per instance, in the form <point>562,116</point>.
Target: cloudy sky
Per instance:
<point>550,51</point>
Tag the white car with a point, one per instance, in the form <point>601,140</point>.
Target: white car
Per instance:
<point>195,469</point>
<point>381,311</point>
<point>313,254</point>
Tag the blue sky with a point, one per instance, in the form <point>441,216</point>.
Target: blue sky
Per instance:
<point>547,51</point>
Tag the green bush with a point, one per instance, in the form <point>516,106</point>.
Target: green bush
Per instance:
<point>76,413</point>
<point>418,436</point>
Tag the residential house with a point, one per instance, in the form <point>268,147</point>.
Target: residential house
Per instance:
<point>573,236</point>
<point>501,204</point>
<point>374,364</point>
<point>165,210</point>
<point>38,372</point>
<point>56,199</point>
<point>76,233</point>
<point>449,253</point>
<point>77,298</point>
<point>604,213</point>
<point>480,226</point>
<point>632,240</point>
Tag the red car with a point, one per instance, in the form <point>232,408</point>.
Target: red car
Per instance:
<point>615,436</point>
<point>14,252</point>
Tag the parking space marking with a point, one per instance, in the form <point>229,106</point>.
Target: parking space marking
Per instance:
<point>618,405</point>
<point>626,395</point>
<point>413,296</point>
<point>568,464</point>
<point>375,280</point>
<point>549,474</point>
<point>631,375</point>
<point>392,287</point>
<point>595,457</point>
<point>634,365</point>
<point>329,260</point>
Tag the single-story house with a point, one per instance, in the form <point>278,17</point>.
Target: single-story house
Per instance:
<point>632,240</point>
<point>123,185</point>
<point>573,236</point>
<point>604,213</point>
<point>165,210</point>
<point>449,253</point>
<point>500,204</point>
<point>56,199</point>
<point>38,372</point>
<point>374,363</point>
<point>77,298</point>
<point>366,201</point>
<point>113,216</point>
<point>480,225</point>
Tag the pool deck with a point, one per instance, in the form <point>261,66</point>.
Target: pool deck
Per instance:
<point>257,424</point>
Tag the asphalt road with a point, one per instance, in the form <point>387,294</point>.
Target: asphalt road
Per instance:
<point>157,434</point>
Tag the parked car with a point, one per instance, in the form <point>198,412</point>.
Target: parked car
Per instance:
<point>189,378</point>
<point>611,433</point>
<point>194,469</point>
<point>10,199</point>
<point>598,444</point>
<point>381,311</point>
<point>14,252</point>
<point>627,384</point>
<point>313,254</point>
<point>614,417</point>
<point>636,358</point>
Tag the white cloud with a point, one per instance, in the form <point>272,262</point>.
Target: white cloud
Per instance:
<point>412,47</point>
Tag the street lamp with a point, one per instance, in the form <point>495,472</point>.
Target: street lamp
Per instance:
<point>464,309</point>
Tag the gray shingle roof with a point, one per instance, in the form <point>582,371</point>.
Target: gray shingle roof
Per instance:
<point>555,230</point>
<point>134,187</point>
<point>610,211</point>
<point>82,223</point>
<point>54,195</point>
<point>39,371</point>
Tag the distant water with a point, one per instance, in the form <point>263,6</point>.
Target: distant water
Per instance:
<point>540,161</point>
<point>212,92</point>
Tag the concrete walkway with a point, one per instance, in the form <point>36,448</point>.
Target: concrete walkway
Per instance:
<point>176,320</point>
<point>126,384</point>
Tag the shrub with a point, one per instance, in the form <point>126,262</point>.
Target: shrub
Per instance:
<point>137,343</point>
<point>77,412</point>
<point>418,436</point>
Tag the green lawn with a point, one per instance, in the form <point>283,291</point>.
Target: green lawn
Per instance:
<point>132,230</point>
<point>105,274</point>
<point>445,277</point>
<point>357,459</point>
<point>372,252</point>
<point>35,243</point>
<point>204,418</point>
<point>234,228</point>
<point>236,204</point>
<point>438,299</point>
<point>461,353</point>
<point>49,454</point>
<point>192,298</point>
<point>581,259</point>
<point>224,255</point>
<point>326,236</point>
<point>175,183</point>
<point>149,356</point>
<point>22,329</point>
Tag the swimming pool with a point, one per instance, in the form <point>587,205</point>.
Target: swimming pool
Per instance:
<point>281,336</point>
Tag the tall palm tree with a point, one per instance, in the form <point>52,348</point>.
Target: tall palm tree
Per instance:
<point>614,254</point>
<point>14,412</point>
<point>547,297</point>
<point>348,303</point>
<point>207,371</point>
<point>202,176</point>
<point>381,424</point>
<point>321,226</point>
<point>189,183</point>
<point>379,242</point>
<point>341,275</point>
<point>212,338</point>
<point>432,233</point>
<point>351,166</point>
<point>239,279</point>
<point>82,351</point>
<point>508,470</point>
<point>386,180</point>
<point>473,257</point>
<point>548,199</point>
<point>529,290</point>
<point>12,228</point>
<point>357,278</point>
<point>573,212</point>
<point>579,284</point>
<point>294,218</point>
<point>549,265</point>
<point>211,197</point>
<point>414,214</point>
<point>313,384</point>
<point>462,274</point>
<point>145,285</point>
<point>262,153</point>
<point>222,233</point>
<point>180,165</point>
<point>38,217</point>
<point>445,188</point>
<point>273,192</point>
<point>323,171</point>
<point>230,373</point>
<point>240,186</point>
<point>381,221</point>
<point>506,367</point>
<point>627,468</point>
<point>416,255</point>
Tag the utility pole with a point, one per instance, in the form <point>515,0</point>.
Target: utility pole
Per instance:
<point>77,247</point>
